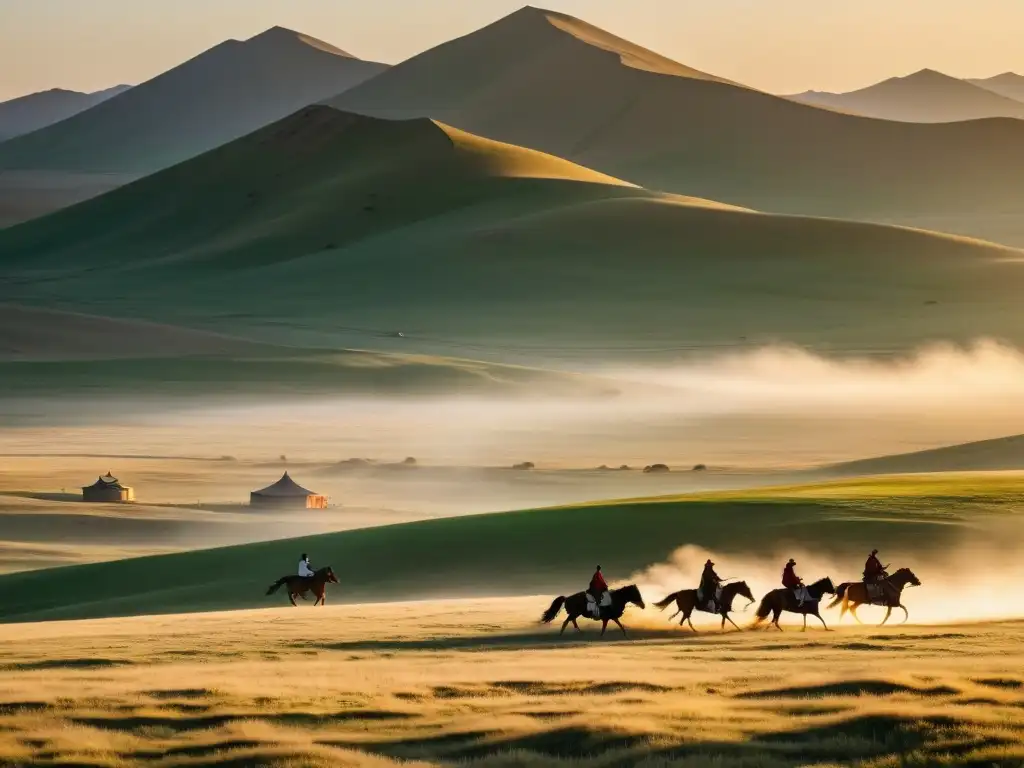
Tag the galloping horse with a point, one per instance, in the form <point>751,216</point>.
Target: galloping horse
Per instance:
<point>298,586</point>
<point>576,606</point>
<point>854,594</point>
<point>779,600</point>
<point>686,602</point>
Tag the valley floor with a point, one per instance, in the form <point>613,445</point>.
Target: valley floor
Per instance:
<point>480,683</point>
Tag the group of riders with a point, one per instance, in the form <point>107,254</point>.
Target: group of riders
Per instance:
<point>709,593</point>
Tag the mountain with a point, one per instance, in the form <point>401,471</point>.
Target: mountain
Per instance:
<point>923,97</point>
<point>1002,453</point>
<point>221,94</point>
<point>334,229</point>
<point>38,110</point>
<point>553,83</point>
<point>1008,84</point>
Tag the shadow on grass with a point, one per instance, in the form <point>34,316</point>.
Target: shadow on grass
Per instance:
<point>847,688</point>
<point>512,641</point>
<point>29,666</point>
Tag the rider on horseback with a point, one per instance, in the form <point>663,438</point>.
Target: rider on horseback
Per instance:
<point>710,588</point>
<point>874,575</point>
<point>597,593</point>
<point>793,582</point>
<point>305,570</point>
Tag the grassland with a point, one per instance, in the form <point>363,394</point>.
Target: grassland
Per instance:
<point>917,520</point>
<point>477,683</point>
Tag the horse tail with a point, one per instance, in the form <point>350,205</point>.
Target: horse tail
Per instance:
<point>763,609</point>
<point>277,585</point>
<point>663,604</point>
<point>840,594</point>
<point>553,609</point>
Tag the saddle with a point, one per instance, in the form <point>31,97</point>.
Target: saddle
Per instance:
<point>876,592</point>
<point>709,602</point>
<point>594,607</point>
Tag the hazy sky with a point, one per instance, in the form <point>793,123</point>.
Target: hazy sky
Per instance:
<point>777,45</point>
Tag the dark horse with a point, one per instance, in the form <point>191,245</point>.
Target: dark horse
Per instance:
<point>576,606</point>
<point>298,586</point>
<point>686,603</point>
<point>779,600</point>
<point>854,594</point>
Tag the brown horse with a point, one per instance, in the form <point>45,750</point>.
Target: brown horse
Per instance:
<point>298,586</point>
<point>576,606</point>
<point>686,603</point>
<point>779,600</point>
<point>854,594</point>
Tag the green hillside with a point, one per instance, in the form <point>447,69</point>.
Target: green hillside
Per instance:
<point>537,551</point>
<point>329,229</point>
<point>1001,453</point>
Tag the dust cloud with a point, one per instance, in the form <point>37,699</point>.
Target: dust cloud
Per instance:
<point>971,583</point>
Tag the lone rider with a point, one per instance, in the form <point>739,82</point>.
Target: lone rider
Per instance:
<point>873,568</point>
<point>793,582</point>
<point>305,570</point>
<point>598,589</point>
<point>710,583</point>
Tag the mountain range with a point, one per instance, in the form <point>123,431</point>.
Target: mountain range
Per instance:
<point>38,110</point>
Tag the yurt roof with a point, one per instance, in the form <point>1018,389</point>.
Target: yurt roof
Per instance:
<point>106,481</point>
<point>284,487</point>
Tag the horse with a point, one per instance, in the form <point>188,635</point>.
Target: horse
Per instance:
<point>854,594</point>
<point>298,586</point>
<point>576,606</point>
<point>779,600</point>
<point>686,602</point>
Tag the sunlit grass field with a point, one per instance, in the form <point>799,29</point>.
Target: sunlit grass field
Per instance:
<point>480,683</point>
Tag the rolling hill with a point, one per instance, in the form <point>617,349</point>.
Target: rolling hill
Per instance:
<point>221,94</point>
<point>300,231</point>
<point>1008,84</point>
<point>1002,453</point>
<point>38,110</point>
<point>922,97</point>
<point>551,82</point>
<point>526,553</point>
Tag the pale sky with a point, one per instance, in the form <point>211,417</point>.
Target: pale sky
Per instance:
<point>782,46</point>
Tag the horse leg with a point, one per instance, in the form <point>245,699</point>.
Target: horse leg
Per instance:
<point>888,613</point>
<point>674,614</point>
<point>576,625</point>
<point>853,612</point>
<point>844,608</point>
<point>732,622</point>
<point>691,624</point>
<point>291,596</point>
<point>821,620</point>
<point>621,627</point>
<point>805,623</point>
<point>604,626</point>
<point>775,618</point>
<point>565,624</point>
<point>722,628</point>
<point>906,614</point>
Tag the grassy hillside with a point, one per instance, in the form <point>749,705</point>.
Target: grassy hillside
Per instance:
<point>923,97</point>
<point>329,229</point>
<point>225,92</point>
<point>551,550</point>
<point>552,82</point>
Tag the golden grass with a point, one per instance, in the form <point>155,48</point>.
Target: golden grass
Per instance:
<point>477,682</point>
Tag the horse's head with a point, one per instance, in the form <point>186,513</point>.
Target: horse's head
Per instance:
<point>904,577</point>
<point>631,594</point>
<point>823,586</point>
<point>328,574</point>
<point>739,588</point>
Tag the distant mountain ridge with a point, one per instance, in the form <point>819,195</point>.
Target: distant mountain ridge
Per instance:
<point>221,94</point>
<point>38,110</point>
<point>926,96</point>
<point>551,82</point>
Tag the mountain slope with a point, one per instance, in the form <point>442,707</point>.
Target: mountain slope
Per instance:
<point>1008,84</point>
<point>1002,453</point>
<point>923,97</point>
<point>218,96</point>
<point>332,229</point>
<point>38,110</point>
<point>548,81</point>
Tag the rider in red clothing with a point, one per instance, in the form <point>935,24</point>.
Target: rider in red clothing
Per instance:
<point>789,578</point>
<point>598,586</point>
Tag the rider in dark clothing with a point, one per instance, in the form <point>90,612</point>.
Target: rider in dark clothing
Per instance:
<point>873,568</point>
<point>709,583</point>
